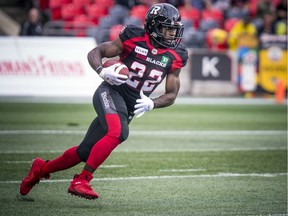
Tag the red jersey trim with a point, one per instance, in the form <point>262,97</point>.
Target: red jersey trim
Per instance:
<point>176,64</point>
<point>129,46</point>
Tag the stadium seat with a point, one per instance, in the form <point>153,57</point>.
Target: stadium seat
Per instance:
<point>107,22</point>
<point>82,20</point>
<point>191,14</point>
<point>69,11</point>
<point>239,13</point>
<point>55,8</point>
<point>102,35</point>
<point>193,38</point>
<point>132,21</point>
<point>119,12</point>
<point>214,14</point>
<point>208,24</point>
<point>95,12</point>
<point>105,3</point>
<point>58,3</point>
<point>114,31</point>
<point>92,31</point>
<point>139,11</point>
<point>187,23</point>
<point>80,25</point>
<point>81,3</point>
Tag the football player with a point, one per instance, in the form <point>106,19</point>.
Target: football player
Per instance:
<point>151,54</point>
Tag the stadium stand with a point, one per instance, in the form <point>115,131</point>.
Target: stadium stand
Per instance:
<point>119,12</point>
<point>114,31</point>
<point>191,14</point>
<point>106,3</point>
<point>102,19</point>
<point>139,12</point>
<point>95,12</point>
<point>229,23</point>
<point>55,7</point>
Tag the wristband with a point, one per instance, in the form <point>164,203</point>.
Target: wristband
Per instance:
<point>99,69</point>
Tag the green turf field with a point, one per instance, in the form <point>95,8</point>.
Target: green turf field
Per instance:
<point>182,160</point>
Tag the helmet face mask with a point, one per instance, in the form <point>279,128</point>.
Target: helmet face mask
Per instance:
<point>163,24</point>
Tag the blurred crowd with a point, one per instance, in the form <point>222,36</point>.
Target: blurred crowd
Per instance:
<point>214,24</point>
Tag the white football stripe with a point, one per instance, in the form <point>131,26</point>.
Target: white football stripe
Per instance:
<point>181,170</point>
<point>102,166</point>
<point>219,175</point>
<point>160,150</point>
<point>155,133</point>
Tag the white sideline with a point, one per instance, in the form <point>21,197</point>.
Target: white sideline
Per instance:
<point>153,133</point>
<point>219,175</point>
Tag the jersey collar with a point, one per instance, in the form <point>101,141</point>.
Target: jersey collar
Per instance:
<point>151,47</point>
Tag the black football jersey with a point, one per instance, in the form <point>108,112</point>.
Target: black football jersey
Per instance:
<point>148,65</point>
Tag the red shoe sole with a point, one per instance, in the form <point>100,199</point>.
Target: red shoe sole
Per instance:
<point>89,197</point>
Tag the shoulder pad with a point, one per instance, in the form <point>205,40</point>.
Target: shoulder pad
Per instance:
<point>131,31</point>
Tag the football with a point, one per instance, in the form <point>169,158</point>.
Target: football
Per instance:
<point>122,69</point>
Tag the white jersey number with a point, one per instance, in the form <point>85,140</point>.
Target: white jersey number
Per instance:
<point>137,74</point>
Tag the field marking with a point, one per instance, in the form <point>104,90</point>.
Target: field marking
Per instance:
<point>179,100</point>
<point>181,170</point>
<point>18,162</point>
<point>155,133</point>
<point>219,175</point>
<point>102,166</point>
<point>158,150</point>
<point>151,133</point>
<point>113,166</point>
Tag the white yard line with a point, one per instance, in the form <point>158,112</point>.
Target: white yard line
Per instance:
<point>102,166</point>
<point>18,162</point>
<point>113,166</point>
<point>181,170</point>
<point>162,133</point>
<point>159,150</point>
<point>219,175</point>
<point>44,132</point>
<point>180,100</point>
<point>153,133</point>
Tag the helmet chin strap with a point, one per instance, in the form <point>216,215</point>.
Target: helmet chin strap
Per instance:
<point>154,43</point>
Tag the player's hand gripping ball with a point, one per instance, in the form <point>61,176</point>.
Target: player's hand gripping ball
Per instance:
<point>114,72</point>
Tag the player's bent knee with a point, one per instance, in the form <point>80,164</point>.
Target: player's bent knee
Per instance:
<point>121,135</point>
<point>124,133</point>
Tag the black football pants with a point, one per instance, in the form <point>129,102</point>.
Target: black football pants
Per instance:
<point>107,102</point>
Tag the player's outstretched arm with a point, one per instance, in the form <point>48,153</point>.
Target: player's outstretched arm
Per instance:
<point>171,90</point>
